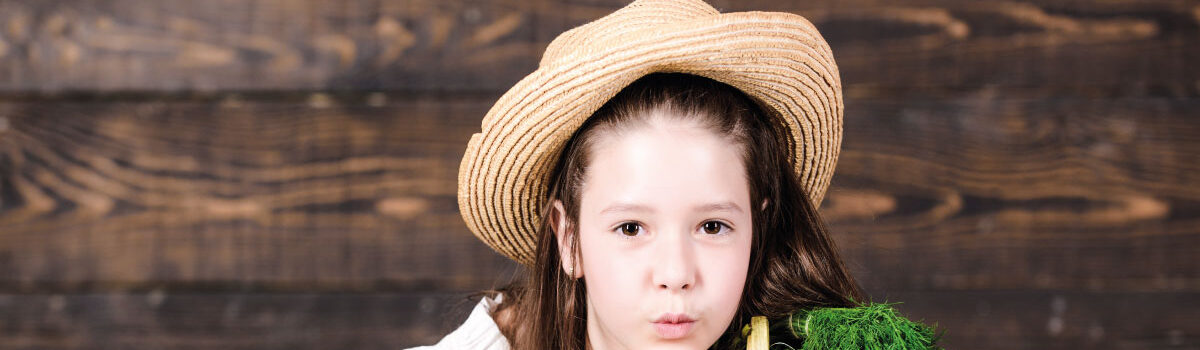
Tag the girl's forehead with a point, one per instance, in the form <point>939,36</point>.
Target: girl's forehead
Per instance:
<point>657,125</point>
<point>682,162</point>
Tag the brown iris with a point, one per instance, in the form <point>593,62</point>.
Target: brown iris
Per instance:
<point>712,227</point>
<point>630,229</point>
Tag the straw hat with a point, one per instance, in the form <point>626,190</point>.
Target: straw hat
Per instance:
<point>776,58</point>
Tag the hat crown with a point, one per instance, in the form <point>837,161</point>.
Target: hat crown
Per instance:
<point>635,17</point>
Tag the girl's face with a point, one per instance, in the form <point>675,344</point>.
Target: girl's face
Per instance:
<point>665,232</point>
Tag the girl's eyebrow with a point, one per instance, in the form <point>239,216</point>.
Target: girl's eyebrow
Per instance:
<point>629,207</point>
<point>721,206</point>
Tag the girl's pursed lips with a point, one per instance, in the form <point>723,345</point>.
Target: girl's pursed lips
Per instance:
<point>673,325</point>
<point>674,318</point>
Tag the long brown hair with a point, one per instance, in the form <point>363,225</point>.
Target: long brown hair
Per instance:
<point>793,262</point>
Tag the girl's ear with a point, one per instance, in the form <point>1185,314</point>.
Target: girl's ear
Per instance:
<point>570,264</point>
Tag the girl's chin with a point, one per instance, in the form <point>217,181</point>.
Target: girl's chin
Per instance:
<point>681,344</point>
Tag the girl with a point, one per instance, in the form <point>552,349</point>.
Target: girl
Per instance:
<point>658,177</point>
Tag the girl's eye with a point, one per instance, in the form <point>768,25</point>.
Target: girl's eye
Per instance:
<point>630,229</point>
<point>712,227</point>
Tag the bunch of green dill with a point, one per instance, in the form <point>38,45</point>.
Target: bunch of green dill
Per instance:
<point>873,326</point>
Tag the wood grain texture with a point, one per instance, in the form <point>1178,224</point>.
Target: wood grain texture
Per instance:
<point>321,191</point>
<point>304,192</point>
<point>273,174</point>
<point>1063,319</point>
<point>986,193</point>
<point>164,319</point>
<point>1138,48</point>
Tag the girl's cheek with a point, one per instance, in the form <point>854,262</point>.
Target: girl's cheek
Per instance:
<point>605,256</point>
<point>727,268</point>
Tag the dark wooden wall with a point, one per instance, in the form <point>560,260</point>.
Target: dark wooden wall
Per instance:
<point>276,174</point>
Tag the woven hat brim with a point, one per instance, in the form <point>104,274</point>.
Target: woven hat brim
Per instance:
<point>779,59</point>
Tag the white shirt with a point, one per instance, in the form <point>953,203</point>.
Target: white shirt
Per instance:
<point>479,332</point>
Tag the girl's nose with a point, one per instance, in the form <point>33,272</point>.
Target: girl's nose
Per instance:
<point>675,265</point>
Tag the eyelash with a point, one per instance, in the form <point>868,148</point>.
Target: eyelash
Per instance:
<point>620,229</point>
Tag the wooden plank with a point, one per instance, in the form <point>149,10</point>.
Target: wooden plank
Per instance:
<point>1050,319</point>
<point>1042,48</point>
<point>304,193</point>
<point>160,319</point>
<point>991,193</point>
<point>164,319</point>
<point>328,192</point>
<point>1142,48</point>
